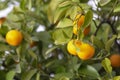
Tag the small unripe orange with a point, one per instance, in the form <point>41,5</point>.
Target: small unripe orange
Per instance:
<point>115,60</point>
<point>79,20</point>
<point>2,20</point>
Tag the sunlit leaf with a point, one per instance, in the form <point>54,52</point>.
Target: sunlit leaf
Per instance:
<point>116,78</point>
<point>29,4</point>
<point>117,8</point>
<point>10,75</point>
<point>73,11</point>
<point>65,23</point>
<point>23,4</point>
<point>60,12</point>
<point>51,9</point>
<point>38,76</point>
<point>64,78</point>
<point>104,2</point>
<point>76,1</point>
<point>63,35</point>
<point>107,65</point>
<point>85,6</point>
<point>18,10</point>
<point>65,3</point>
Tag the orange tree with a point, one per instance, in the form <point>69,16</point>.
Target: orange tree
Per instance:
<point>59,53</point>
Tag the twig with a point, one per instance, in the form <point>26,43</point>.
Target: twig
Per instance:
<point>114,32</point>
<point>98,27</point>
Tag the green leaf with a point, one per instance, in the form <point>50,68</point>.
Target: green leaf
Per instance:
<point>29,4</point>
<point>32,54</point>
<point>85,6</point>
<point>118,35</point>
<point>21,50</point>
<point>38,76</point>
<point>50,50</point>
<point>18,68</point>
<point>64,78</point>
<point>65,23</point>
<point>2,39</point>
<point>118,30</point>
<point>104,2</point>
<point>18,10</point>
<point>2,75</point>
<point>89,71</point>
<point>44,36</point>
<point>10,75</point>
<point>116,78</point>
<point>107,65</point>
<point>76,1</point>
<point>27,37</point>
<point>4,30</point>
<point>65,3</point>
<point>117,8</point>
<point>62,36</point>
<point>60,12</point>
<point>73,64</point>
<point>23,4</point>
<point>4,47</point>
<point>88,19</point>
<point>73,11</point>
<point>28,75</point>
<point>60,69</point>
<point>59,76</point>
<point>97,42</point>
<point>109,43</point>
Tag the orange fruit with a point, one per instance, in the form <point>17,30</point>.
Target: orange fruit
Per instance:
<point>14,37</point>
<point>78,22</point>
<point>86,51</point>
<point>87,30</point>
<point>2,20</point>
<point>33,43</point>
<point>83,50</point>
<point>115,60</point>
<point>71,47</point>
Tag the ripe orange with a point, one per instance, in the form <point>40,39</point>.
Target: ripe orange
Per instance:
<point>86,51</point>
<point>71,47</point>
<point>78,22</point>
<point>115,60</point>
<point>14,37</point>
<point>83,50</point>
